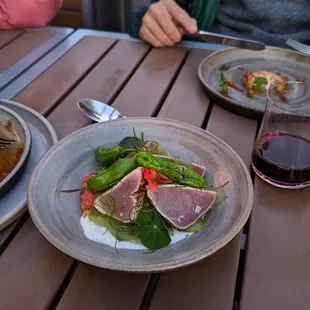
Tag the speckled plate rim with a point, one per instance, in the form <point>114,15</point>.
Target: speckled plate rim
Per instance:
<point>27,145</point>
<point>21,208</point>
<point>236,228</point>
<point>230,104</point>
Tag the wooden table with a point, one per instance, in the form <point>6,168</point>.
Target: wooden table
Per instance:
<point>21,48</point>
<point>141,81</point>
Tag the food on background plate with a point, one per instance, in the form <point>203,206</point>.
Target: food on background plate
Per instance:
<point>255,82</point>
<point>143,198</point>
<point>260,81</point>
<point>11,153</point>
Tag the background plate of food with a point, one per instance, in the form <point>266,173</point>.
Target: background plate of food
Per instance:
<point>140,195</point>
<point>238,79</point>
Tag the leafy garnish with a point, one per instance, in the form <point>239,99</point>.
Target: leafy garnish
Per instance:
<point>120,231</point>
<point>222,79</point>
<point>151,229</point>
<point>224,67</point>
<point>131,143</point>
<point>202,222</point>
<point>260,84</point>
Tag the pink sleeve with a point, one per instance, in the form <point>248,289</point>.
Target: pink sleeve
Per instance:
<point>27,13</point>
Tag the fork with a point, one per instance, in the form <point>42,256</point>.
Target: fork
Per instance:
<point>303,48</point>
<point>5,142</point>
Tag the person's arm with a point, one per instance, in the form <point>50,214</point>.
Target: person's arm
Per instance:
<point>27,13</point>
<point>140,12</point>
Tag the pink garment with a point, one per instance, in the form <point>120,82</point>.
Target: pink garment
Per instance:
<point>27,13</point>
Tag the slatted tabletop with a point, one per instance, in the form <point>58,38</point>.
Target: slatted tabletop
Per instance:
<point>20,49</point>
<point>141,81</point>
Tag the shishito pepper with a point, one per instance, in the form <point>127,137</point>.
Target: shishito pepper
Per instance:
<point>106,157</point>
<point>172,170</point>
<point>109,177</point>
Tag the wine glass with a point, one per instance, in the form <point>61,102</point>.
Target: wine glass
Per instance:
<point>281,154</point>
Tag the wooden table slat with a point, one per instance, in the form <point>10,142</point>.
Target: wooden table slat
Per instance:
<point>94,288</point>
<point>31,270</point>
<point>143,93</point>
<point>17,49</point>
<point>186,102</point>
<point>4,234</point>
<point>277,269</point>
<point>9,35</point>
<point>102,83</point>
<point>43,93</point>
<point>237,131</point>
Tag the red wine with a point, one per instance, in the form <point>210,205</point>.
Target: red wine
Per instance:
<point>283,157</point>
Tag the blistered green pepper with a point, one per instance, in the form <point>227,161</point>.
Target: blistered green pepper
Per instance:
<point>172,170</point>
<point>109,177</point>
<point>106,157</point>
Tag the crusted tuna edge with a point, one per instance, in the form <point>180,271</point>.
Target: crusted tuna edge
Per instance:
<point>136,198</point>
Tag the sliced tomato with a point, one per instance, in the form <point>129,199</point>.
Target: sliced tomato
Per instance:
<point>150,175</point>
<point>87,197</point>
<point>154,178</point>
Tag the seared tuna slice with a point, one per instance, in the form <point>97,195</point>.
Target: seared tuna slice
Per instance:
<point>122,201</point>
<point>194,167</point>
<point>181,206</point>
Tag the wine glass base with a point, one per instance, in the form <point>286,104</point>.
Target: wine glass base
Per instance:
<point>279,184</point>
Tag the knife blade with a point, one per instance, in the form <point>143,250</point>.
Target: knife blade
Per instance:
<point>211,37</point>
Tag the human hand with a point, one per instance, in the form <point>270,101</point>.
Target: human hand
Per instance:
<point>161,24</point>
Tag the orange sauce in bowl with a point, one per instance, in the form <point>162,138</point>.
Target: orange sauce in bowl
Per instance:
<point>11,154</point>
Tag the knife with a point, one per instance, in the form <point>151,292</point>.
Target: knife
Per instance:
<point>216,38</point>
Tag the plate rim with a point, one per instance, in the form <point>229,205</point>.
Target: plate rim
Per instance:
<point>236,228</point>
<point>230,104</point>
<point>19,210</point>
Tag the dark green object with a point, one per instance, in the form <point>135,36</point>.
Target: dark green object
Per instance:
<point>222,80</point>
<point>106,157</point>
<point>121,231</point>
<point>109,177</point>
<point>260,84</point>
<point>131,143</point>
<point>151,230</point>
<point>205,12</point>
<point>172,170</point>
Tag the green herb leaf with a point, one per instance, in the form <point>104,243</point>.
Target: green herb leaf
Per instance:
<point>203,221</point>
<point>222,79</point>
<point>105,179</point>
<point>259,84</point>
<point>224,67</point>
<point>151,229</point>
<point>131,142</point>
<point>119,230</point>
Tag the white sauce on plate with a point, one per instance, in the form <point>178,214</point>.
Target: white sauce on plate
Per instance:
<point>100,234</point>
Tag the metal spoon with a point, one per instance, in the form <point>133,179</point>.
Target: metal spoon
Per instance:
<point>98,111</point>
